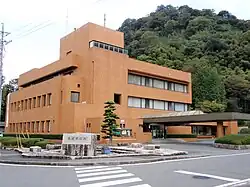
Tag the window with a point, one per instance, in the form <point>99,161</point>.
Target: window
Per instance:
<point>110,48</point>
<point>116,49</point>
<point>134,102</point>
<point>148,82</point>
<point>166,85</point>
<point>95,44</point>
<point>101,45</point>
<point>37,126</point>
<point>179,87</point>
<point>22,105</point>
<point>180,107</point>
<point>106,47</point>
<point>14,106</point>
<point>44,100</point>
<point>147,103</point>
<point>49,99</point>
<point>25,104</point>
<point>28,127</point>
<point>170,106</point>
<point>18,106</point>
<point>159,105</point>
<point>117,98</point>
<point>78,85</point>
<point>91,44</point>
<point>171,86</point>
<point>42,126</point>
<point>48,125</point>
<point>134,79</point>
<point>158,84</point>
<point>30,103</point>
<point>75,97</point>
<point>33,127</point>
<point>38,101</point>
<point>166,105</point>
<point>34,102</point>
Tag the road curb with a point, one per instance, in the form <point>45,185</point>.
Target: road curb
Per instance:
<point>19,162</point>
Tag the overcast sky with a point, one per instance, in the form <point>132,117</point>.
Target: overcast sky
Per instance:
<point>30,50</point>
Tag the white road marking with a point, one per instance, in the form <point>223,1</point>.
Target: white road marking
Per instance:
<point>112,183</point>
<point>187,159</point>
<point>207,175</point>
<point>237,183</point>
<point>141,185</point>
<point>101,173</point>
<point>91,167</point>
<point>105,177</point>
<point>101,169</point>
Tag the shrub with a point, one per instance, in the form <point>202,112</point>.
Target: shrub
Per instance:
<point>44,136</point>
<point>12,141</point>
<point>43,143</point>
<point>234,139</point>
<point>181,136</point>
<point>245,131</point>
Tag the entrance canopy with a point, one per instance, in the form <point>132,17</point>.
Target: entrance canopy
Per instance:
<point>194,117</point>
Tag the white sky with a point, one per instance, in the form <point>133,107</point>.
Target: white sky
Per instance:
<point>42,47</point>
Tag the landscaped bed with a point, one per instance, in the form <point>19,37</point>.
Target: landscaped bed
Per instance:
<point>25,142</point>
<point>234,141</point>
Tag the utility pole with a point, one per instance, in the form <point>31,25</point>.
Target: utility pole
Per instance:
<point>3,42</point>
<point>104,20</point>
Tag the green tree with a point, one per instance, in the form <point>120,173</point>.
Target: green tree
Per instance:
<point>109,126</point>
<point>12,86</point>
<point>207,83</point>
<point>172,36</point>
<point>211,106</point>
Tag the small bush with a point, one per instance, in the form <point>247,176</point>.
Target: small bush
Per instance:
<point>245,131</point>
<point>234,139</point>
<point>181,136</point>
<point>43,143</point>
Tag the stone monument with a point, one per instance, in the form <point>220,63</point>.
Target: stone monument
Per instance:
<point>79,144</point>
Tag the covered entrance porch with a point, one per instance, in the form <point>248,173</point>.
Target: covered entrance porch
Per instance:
<point>224,123</point>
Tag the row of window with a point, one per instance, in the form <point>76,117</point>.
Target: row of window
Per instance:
<point>35,102</point>
<point>156,104</point>
<point>107,47</point>
<point>156,83</point>
<point>31,127</point>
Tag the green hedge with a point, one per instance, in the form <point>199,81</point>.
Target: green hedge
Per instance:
<point>12,141</point>
<point>245,131</point>
<point>181,136</point>
<point>234,139</point>
<point>44,136</point>
<point>43,143</point>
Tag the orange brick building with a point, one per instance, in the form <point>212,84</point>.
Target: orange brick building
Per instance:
<point>68,95</point>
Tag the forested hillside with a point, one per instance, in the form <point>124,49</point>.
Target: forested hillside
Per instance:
<point>214,47</point>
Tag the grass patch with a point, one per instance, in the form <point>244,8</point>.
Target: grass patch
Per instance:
<point>234,139</point>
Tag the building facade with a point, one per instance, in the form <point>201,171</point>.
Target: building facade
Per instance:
<point>68,95</point>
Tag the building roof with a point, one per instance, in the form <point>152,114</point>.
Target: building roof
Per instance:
<point>195,116</point>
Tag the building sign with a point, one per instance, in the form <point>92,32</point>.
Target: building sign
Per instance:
<point>76,138</point>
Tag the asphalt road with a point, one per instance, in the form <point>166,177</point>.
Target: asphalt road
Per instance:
<point>223,167</point>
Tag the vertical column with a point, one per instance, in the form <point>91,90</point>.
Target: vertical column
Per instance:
<point>219,132</point>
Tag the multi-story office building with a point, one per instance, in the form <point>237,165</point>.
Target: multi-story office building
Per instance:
<point>68,95</point>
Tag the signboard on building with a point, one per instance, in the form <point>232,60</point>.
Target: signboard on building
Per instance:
<point>77,138</point>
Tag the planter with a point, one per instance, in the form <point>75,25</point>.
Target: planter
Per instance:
<point>230,146</point>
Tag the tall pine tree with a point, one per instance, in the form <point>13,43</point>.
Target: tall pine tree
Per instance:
<point>109,126</point>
